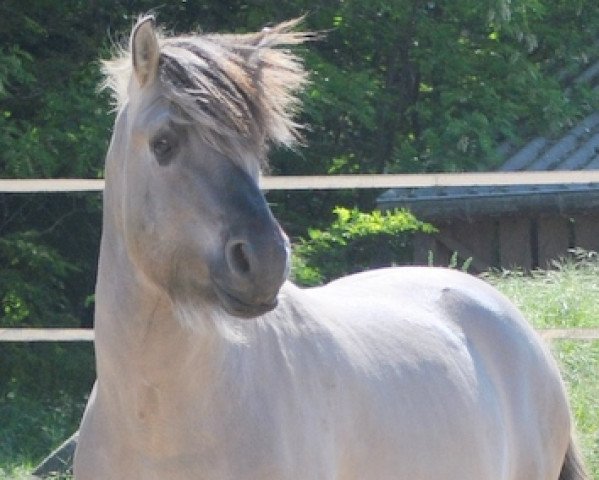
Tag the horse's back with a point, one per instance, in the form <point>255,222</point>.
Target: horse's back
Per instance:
<point>452,356</point>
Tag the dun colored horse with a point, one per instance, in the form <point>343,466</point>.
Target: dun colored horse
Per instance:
<point>212,366</point>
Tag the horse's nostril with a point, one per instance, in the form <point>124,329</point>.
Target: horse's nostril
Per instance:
<point>238,258</point>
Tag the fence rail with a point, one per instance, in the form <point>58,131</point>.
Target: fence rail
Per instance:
<point>46,335</point>
<point>333,182</point>
<point>87,335</point>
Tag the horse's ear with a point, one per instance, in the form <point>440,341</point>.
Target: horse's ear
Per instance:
<point>145,51</point>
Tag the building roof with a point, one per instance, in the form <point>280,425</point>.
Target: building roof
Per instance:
<point>578,149</point>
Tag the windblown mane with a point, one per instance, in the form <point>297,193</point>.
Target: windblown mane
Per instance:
<point>238,87</point>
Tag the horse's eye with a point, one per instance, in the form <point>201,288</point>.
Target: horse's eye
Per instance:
<point>164,148</point>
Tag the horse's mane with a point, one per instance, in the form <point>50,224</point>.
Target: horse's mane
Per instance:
<point>233,85</point>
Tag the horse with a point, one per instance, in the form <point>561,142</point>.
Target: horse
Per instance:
<point>212,365</point>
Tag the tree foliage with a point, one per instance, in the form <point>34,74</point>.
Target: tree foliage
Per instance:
<point>355,241</point>
<point>437,85</point>
<point>397,86</point>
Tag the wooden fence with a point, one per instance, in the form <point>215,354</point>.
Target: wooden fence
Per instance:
<point>31,186</point>
<point>334,182</point>
<point>87,335</point>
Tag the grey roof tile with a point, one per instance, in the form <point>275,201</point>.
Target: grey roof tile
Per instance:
<point>554,155</point>
<point>593,164</point>
<point>589,74</point>
<point>542,154</point>
<point>589,123</point>
<point>583,155</point>
<point>578,149</point>
<point>525,156</point>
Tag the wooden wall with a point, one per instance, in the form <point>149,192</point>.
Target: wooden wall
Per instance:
<point>514,242</point>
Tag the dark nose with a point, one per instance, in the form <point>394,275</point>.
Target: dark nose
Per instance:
<point>254,268</point>
<point>257,266</point>
<point>251,264</point>
<point>240,257</point>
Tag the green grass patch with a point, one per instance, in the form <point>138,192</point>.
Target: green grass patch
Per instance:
<point>567,297</point>
<point>43,391</point>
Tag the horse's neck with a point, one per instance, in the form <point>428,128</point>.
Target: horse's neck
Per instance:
<point>138,337</point>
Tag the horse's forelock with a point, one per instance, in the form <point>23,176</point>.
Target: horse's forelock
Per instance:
<point>241,87</point>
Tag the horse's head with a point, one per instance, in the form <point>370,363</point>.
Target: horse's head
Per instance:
<point>195,117</point>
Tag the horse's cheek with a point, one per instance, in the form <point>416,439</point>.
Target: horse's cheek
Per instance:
<point>142,237</point>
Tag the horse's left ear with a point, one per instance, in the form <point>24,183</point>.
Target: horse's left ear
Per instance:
<point>145,51</point>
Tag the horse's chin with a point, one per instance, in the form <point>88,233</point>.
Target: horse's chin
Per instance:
<point>239,308</point>
<point>201,313</point>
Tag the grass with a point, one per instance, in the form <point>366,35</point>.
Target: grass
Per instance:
<point>31,428</point>
<point>43,390</point>
<point>565,297</point>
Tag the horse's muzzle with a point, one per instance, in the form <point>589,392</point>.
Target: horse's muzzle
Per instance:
<point>247,277</point>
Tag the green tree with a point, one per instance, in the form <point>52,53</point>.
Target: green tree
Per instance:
<point>412,85</point>
<point>353,242</point>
